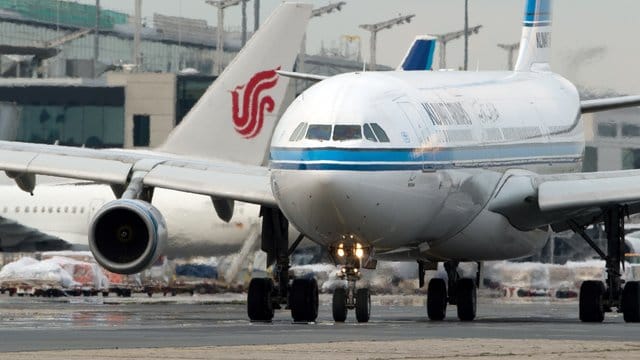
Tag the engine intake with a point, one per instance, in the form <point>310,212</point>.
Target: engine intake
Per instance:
<point>127,236</point>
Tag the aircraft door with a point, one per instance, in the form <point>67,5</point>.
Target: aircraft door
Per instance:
<point>419,123</point>
<point>94,206</point>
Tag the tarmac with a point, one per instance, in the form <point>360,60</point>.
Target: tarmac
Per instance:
<point>216,327</point>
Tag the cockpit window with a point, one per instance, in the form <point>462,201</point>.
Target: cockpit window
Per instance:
<point>319,132</point>
<point>368,133</point>
<point>347,132</point>
<point>298,133</point>
<point>380,134</point>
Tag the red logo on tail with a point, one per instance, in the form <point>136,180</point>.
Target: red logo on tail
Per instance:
<point>250,121</point>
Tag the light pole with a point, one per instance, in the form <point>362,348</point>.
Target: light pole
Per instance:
<point>375,28</point>
<point>443,39</point>
<point>316,13</point>
<point>466,35</point>
<point>511,49</point>
<point>221,5</point>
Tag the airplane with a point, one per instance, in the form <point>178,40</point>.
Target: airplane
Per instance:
<point>418,166</point>
<point>53,220</point>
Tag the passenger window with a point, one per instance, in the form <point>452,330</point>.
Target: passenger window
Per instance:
<point>298,133</point>
<point>4,210</point>
<point>66,209</point>
<point>50,209</point>
<point>26,209</point>
<point>347,132</point>
<point>58,209</point>
<point>368,133</point>
<point>82,210</point>
<point>35,209</point>
<point>17,209</point>
<point>382,136</point>
<point>73,210</point>
<point>319,132</point>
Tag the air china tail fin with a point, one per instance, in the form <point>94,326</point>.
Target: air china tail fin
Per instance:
<point>535,45</point>
<point>420,54</point>
<point>235,118</point>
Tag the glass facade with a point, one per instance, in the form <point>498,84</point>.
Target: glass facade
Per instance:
<point>189,90</point>
<point>70,115</point>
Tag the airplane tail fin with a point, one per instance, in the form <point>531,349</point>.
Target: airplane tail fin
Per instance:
<point>235,118</point>
<point>420,54</point>
<point>535,45</point>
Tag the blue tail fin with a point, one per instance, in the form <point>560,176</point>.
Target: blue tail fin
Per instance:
<point>535,45</point>
<point>420,54</point>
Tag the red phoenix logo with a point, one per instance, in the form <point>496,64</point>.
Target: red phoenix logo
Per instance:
<point>249,123</point>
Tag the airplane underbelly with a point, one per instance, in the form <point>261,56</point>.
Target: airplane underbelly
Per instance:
<point>387,210</point>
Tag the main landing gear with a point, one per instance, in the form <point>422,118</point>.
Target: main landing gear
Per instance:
<point>462,292</point>
<point>265,295</point>
<point>597,297</point>
<point>352,258</point>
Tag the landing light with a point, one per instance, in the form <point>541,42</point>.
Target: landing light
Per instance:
<point>340,252</point>
<point>359,251</point>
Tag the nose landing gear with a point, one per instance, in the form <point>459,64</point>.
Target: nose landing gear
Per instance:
<point>350,298</point>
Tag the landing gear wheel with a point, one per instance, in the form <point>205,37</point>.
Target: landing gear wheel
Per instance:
<point>591,301</point>
<point>259,304</point>
<point>437,299</point>
<point>363,305</point>
<point>339,304</point>
<point>304,300</point>
<point>466,299</point>
<point>631,301</point>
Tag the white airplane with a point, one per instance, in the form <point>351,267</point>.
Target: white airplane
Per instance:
<point>417,166</point>
<point>59,219</point>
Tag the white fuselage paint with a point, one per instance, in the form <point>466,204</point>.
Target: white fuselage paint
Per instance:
<point>423,194</point>
<point>65,210</point>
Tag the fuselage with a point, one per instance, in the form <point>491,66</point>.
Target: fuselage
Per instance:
<point>406,162</point>
<point>194,227</point>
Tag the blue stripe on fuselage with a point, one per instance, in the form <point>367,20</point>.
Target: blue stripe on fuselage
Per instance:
<point>409,159</point>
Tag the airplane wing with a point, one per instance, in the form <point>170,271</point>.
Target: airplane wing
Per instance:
<point>220,179</point>
<point>529,200</point>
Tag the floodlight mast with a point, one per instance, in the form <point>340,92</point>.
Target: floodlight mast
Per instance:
<point>510,49</point>
<point>221,5</point>
<point>328,9</point>
<point>375,28</point>
<point>443,39</point>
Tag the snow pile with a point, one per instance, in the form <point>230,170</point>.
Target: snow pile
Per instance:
<point>30,271</point>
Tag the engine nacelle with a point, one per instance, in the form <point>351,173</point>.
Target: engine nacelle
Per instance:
<point>127,236</point>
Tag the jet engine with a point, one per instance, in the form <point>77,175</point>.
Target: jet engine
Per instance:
<point>127,236</point>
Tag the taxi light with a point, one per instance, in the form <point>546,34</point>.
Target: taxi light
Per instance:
<point>359,253</point>
<point>340,252</point>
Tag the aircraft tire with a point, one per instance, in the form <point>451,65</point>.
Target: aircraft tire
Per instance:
<point>304,300</point>
<point>591,301</point>
<point>437,299</point>
<point>363,305</point>
<point>259,304</point>
<point>339,304</point>
<point>466,299</point>
<point>631,302</point>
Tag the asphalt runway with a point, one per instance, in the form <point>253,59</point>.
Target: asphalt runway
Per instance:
<point>35,324</point>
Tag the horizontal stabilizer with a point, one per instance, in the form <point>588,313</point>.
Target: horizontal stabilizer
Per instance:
<point>302,76</point>
<point>591,106</point>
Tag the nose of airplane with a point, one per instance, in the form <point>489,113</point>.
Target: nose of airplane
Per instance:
<point>331,205</point>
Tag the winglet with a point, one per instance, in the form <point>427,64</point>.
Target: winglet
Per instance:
<point>420,54</point>
<point>535,45</point>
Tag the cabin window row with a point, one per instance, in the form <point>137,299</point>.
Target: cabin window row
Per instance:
<point>43,209</point>
<point>370,131</point>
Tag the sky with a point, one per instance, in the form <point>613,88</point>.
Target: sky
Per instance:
<point>594,41</point>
